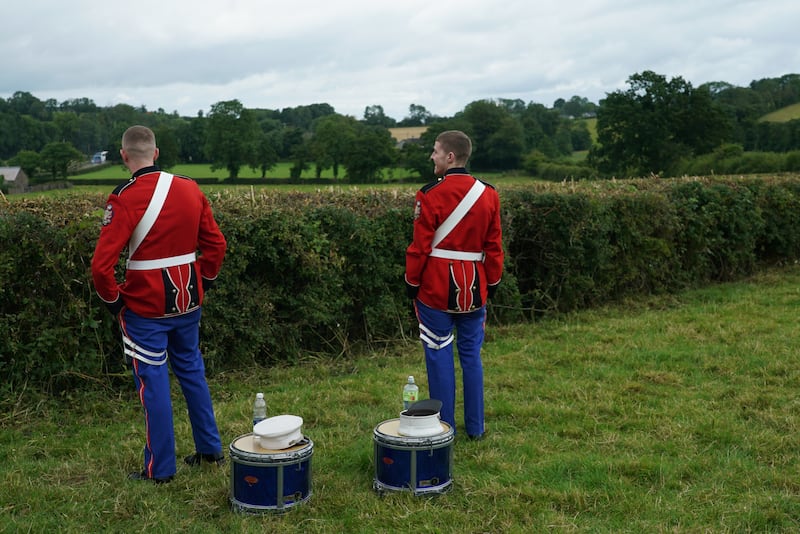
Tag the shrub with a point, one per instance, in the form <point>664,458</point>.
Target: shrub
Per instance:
<point>321,273</point>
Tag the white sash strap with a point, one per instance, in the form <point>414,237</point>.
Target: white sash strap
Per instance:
<point>151,213</point>
<point>161,263</point>
<point>456,255</point>
<point>457,214</point>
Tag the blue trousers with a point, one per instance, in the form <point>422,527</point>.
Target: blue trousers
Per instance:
<point>152,343</point>
<point>436,332</point>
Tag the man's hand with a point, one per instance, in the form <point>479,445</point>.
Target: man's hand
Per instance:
<point>491,290</point>
<point>116,306</point>
<point>411,291</point>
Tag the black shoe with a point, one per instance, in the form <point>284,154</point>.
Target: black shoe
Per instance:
<point>199,457</point>
<point>143,476</point>
<point>476,438</point>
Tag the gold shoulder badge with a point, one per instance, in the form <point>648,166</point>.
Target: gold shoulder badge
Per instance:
<point>417,210</point>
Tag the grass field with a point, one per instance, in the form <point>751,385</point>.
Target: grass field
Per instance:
<point>783,115</point>
<point>669,414</point>
<point>202,170</point>
<point>281,170</point>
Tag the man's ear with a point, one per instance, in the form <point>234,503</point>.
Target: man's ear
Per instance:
<point>155,154</point>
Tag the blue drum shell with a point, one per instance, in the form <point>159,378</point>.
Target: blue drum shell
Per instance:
<point>421,465</point>
<point>266,480</point>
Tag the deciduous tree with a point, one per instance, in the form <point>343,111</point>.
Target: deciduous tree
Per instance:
<point>372,149</point>
<point>232,131</point>
<point>650,127</point>
<point>58,157</point>
<point>332,135</point>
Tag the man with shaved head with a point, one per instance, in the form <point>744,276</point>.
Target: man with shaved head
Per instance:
<point>174,253</point>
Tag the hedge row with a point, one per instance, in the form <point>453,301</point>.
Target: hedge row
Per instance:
<point>318,273</point>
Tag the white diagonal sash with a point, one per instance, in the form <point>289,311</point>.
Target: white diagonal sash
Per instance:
<point>457,214</point>
<point>151,213</point>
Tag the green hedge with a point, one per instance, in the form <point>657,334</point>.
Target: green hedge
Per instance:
<point>316,274</point>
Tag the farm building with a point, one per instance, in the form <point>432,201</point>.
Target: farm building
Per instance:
<point>14,179</point>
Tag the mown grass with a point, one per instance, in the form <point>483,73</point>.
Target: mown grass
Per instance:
<point>668,414</point>
<point>784,114</point>
<point>281,171</point>
<point>499,180</point>
<point>197,170</point>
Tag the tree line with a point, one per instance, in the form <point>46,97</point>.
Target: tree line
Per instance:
<point>654,126</point>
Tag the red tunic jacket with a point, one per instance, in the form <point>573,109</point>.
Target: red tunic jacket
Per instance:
<point>448,284</point>
<point>184,225</point>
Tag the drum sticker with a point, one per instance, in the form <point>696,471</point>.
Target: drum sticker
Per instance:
<point>251,480</point>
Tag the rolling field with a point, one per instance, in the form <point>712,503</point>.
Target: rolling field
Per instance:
<point>783,115</point>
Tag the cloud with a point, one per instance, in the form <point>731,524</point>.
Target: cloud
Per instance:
<point>187,55</point>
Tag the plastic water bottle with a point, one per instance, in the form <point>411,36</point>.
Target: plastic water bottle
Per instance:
<point>259,409</point>
<point>410,393</point>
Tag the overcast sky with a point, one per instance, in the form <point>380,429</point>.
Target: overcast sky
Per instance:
<point>186,55</point>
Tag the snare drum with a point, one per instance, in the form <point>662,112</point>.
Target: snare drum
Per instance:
<point>267,480</point>
<point>418,464</point>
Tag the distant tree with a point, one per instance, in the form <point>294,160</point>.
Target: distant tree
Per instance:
<point>778,92</point>
<point>653,125</point>
<point>79,105</point>
<point>333,134</point>
<point>265,155</point>
<point>515,106</point>
<point>30,162</point>
<point>25,103</point>
<point>497,137</point>
<point>580,136</point>
<point>231,133</point>
<point>743,107</point>
<point>417,116</point>
<point>191,136</point>
<point>539,128</point>
<point>301,155</point>
<point>67,124</point>
<point>292,138</point>
<point>375,116</point>
<point>167,147</point>
<point>563,139</point>
<point>58,157</point>
<point>303,117</point>
<point>23,132</point>
<point>372,149</point>
<point>416,157</point>
<point>578,107</point>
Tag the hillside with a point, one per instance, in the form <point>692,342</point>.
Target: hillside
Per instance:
<point>783,115</point>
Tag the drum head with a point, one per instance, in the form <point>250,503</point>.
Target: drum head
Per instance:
<point>392,428</point>
<point>247,443</point>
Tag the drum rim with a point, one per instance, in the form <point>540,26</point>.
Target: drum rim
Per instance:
<point>442,438</point>
<point>278,457</point>
<point>380,486</point>
<point>243,507</point>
